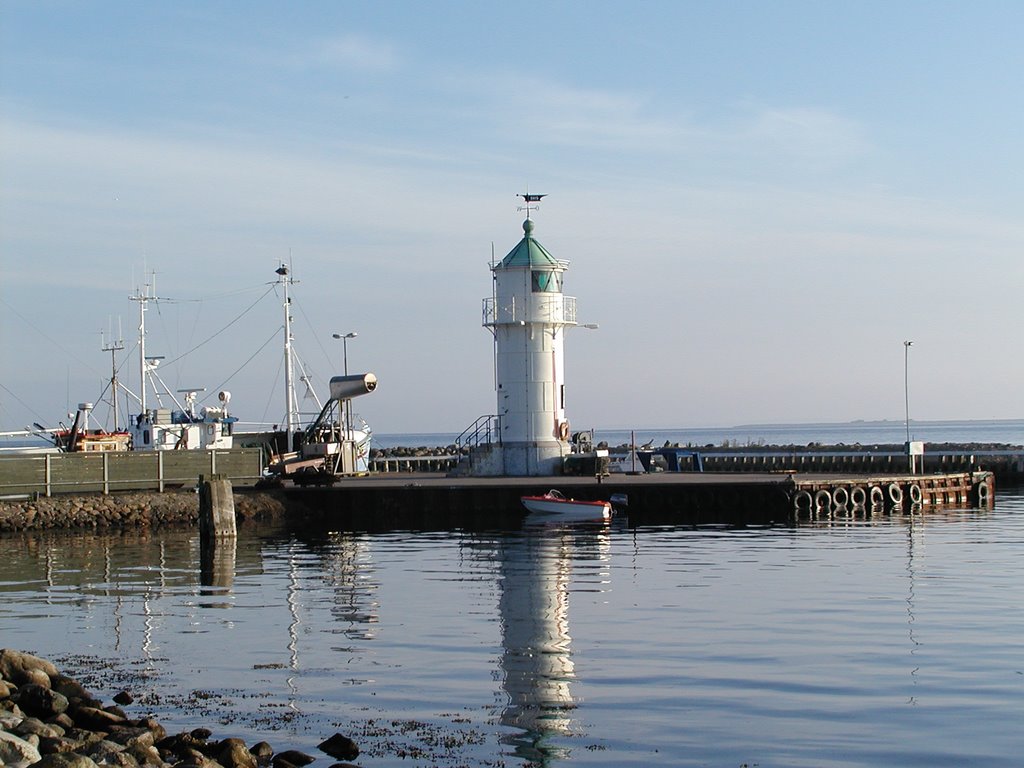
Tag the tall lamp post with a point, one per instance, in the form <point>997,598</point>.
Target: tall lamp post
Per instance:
<point>906,396</point>
<point>344,346</point>
<point>344,354</point>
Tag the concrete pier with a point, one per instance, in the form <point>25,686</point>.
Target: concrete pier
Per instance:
<point>421,501</point>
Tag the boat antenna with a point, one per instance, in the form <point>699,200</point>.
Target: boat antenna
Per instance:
<point>113,347</point>
<point>144,295</point>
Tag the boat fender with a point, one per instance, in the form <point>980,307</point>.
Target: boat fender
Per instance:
<point>840,496</point>
<point>858,496</point>
<point>563,430</point>
<point>876,496</point>
<point>982,492</point>
<point>915,493</point>
<point>823,499</point>
<point>895,493</point>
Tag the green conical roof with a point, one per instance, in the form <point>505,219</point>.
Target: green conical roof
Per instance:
<point>529,253</point>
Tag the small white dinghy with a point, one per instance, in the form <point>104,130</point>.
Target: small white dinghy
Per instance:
<point>554,503</point>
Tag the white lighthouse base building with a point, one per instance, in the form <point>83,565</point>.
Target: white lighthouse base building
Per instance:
<point>517,460</point>
<point>528,315</point>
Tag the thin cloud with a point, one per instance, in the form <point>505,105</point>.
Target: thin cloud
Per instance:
<point>549,112</point>
<point>813,137</point>
<point>353,52</point>
<point>554,113</point>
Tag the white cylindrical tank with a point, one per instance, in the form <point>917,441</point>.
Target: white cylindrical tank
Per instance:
<point>354,385</point>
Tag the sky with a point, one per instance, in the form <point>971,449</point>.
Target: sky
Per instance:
<point>760,203</point>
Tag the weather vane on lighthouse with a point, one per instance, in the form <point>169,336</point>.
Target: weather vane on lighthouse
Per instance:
<point>528,199</point>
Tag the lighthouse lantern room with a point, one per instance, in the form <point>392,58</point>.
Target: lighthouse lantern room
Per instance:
<point>528,315</point>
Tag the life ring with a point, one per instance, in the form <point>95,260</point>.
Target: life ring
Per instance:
<point>914,491</point>
<point>823,500</point>
<point>802,501</point>
<point>858,496</point>
<point>895,493</point>
<point>840,496</point>
<point>876,496</point>
<point>563,430</point>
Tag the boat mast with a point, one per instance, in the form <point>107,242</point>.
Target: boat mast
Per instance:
<point>113,347</point>
<point>142,296</point>
<point>289,386</point>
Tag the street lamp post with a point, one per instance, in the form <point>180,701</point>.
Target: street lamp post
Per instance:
<point>906,396</point>
<point>347,405</point>
<point>344,345</point>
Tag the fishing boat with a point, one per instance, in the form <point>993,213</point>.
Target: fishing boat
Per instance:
<point>331,445</point>
<point>554,503</point>
<point>159,428</point>
<point>79,438</point>
<point>183,427</point>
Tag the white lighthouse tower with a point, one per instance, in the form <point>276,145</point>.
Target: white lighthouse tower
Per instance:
<point>528,315</point>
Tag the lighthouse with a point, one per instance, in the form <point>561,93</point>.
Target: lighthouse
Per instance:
<point>528,315</point>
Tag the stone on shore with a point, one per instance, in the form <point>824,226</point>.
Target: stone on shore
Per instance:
<point>57,723</point>
<point>292,757</point>
<point>73,690</point>
<point>35,726</point>
<point>14,666</point>
<point>66,760</point>
<point>234,754</point>
<point>95,719</point>
<point>15,751</point>
<point>339,747</point>
<point>262,751</point>
<point>41,702</point>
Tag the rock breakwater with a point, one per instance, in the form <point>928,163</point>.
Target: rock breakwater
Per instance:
<point>50,720</point>
<point>136,509</point>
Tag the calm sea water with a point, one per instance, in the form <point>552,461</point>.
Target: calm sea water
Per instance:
<point>891,641</point>
<point>1008,431</point>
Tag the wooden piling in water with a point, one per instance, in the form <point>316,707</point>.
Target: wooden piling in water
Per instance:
<point>216,507</point>
<point>217,532</point>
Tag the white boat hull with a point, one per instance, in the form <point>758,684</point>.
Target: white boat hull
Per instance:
<point>567,508</point>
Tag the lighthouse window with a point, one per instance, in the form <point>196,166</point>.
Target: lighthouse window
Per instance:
<point>547,282</point>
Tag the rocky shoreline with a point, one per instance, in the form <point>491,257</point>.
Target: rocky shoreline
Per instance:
<point>50,720</point>
<point>137,509</point>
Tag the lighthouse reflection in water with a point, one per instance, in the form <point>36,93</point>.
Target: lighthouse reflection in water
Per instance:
<point>537,666</point>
